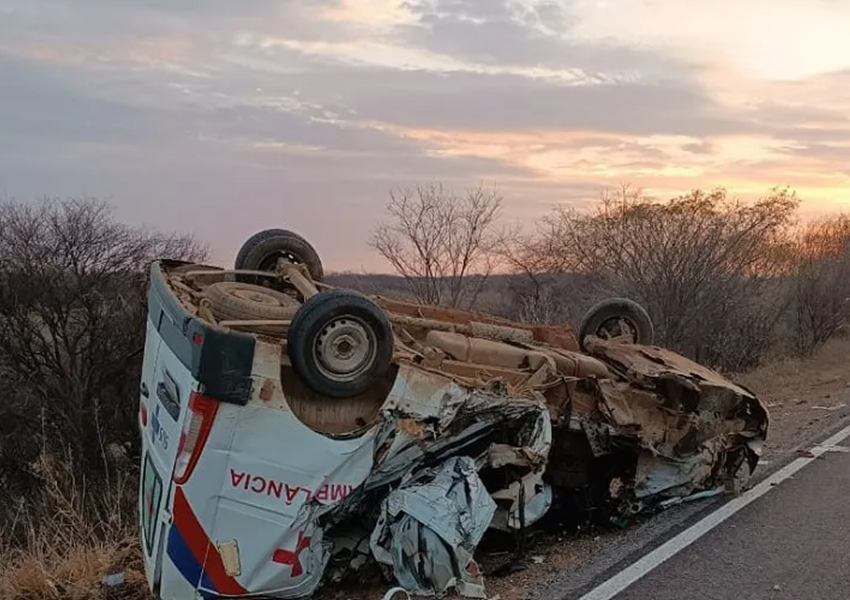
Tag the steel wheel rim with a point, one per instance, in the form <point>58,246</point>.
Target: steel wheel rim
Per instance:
<point>345,349</point>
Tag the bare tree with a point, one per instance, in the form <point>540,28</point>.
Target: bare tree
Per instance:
<point>553,286</point>
<point>696,262</point>
<point>441,243</point>
<point>72,325</point>
<point>821,284</point>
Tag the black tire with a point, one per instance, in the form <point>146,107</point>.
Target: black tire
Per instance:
<point>614,309</point>
<point>235,301</point>
<point>261,251</point>
<point>319,326</point>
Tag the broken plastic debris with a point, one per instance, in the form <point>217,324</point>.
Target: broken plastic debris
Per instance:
<point>393,594</point>
<point>843,449</point>
<point>830,408</point>
<point>691,498</point>
<point>113,579</point>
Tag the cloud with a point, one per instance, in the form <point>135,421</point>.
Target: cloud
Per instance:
<point>55,109</point>
<point>52,105</point>
<point>290,111</point>
<point>541,33</point>
<point>487,102</point>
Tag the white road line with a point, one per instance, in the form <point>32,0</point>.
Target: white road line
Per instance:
<point>670,548</point>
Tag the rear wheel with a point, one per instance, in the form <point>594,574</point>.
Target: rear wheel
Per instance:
<point>340,343</point>
<point>619,319</point>
<point>262,251</point>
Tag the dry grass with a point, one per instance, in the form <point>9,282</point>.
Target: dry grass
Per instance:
<point>74,573</point>
<point>60,546</point>
<point>803,396</point>
<point>796,375</point>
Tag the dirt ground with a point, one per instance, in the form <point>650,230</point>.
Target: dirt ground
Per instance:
<point>803,398</point>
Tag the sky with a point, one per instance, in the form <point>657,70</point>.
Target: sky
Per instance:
<point>224,117</point>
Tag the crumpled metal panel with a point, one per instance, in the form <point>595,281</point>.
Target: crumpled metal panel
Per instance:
<point>427,422</point>
<point>686,425</point>
<point>658,475</point>
<point>529,497</point>
<point>691,423</point>
<point>430,526</point>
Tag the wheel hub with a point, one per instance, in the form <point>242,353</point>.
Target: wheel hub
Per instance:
<point>344,346</point>
<point>284,258</point>
<point>344,349</point>
<point>618,330</point>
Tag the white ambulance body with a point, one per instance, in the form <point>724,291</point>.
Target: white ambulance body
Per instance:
<point>217,499</point>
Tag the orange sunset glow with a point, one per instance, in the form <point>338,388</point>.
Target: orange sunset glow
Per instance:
<point>223,117</point>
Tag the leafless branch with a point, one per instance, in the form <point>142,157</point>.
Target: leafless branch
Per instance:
<point>441,243</point>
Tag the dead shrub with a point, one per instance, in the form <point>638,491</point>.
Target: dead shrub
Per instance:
<point>72,324</point>
<point>821,283</point>
<point>702,264</point>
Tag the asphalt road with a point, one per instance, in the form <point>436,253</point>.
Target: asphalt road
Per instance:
<point>790,543</point>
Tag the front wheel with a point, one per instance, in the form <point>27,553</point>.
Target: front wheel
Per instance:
<point>619,319</point>
<point>340,343</point>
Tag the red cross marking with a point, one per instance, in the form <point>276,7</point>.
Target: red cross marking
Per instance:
<point>290,557</point>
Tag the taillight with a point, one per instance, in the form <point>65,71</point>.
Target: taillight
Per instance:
<point>196,430</point>
<point>143,414</point>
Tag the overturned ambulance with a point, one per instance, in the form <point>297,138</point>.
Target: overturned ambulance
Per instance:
<point>290,427</point>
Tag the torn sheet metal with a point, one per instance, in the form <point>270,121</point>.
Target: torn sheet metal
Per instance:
<point>429,527</point>
<point>692,426</point>
<point>449,419</point>
<point>528,499</point>
<point>681,428</point>
<point>431,431</point>
<point>658,475</point>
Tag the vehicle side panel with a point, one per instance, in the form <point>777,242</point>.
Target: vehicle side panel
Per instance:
<point>151,494</point>
<point>182,355</point>
<point>221,360</point>
<point>191,555</point>
<point>276,465</point>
